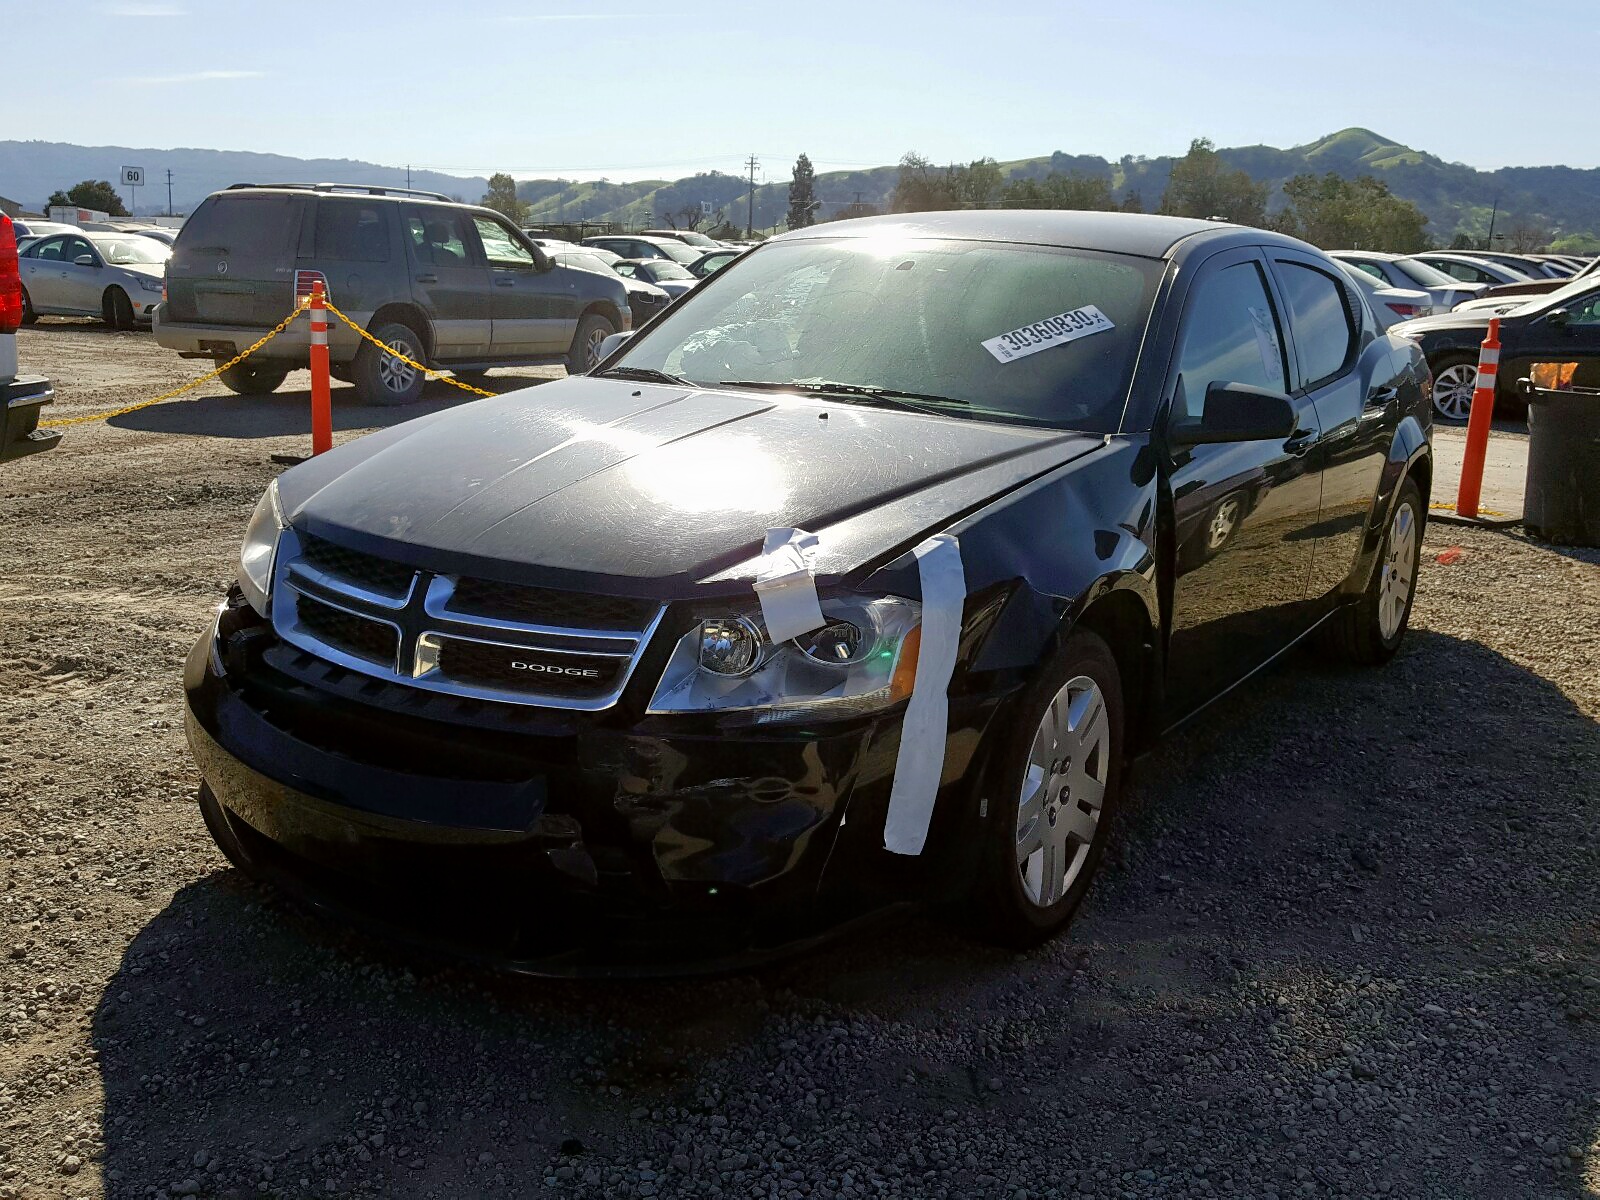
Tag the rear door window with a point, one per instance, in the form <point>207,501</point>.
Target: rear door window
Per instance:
<point>50,249</point>
<point>1231,335</point>
<point>240,225</point>
<point>1319,312</point>
<point>349,230</point>
<point>439,238</point>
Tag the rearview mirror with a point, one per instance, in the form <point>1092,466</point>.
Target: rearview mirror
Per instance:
<point>613,343</point>
<point>542,259</point>
<point>1558,318</point>
<point>1236,412</point>
<point>85,260</point>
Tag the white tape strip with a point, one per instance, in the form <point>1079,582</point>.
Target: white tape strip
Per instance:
<point>918,769</point>
<point>785,586</point>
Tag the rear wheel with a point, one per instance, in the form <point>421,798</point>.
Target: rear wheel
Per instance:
<point>28,315</point>
<point>116,309</point>
<point>1368,632</point>
<point>253,379</point>
<point>1455,376</point>
<point>384,378</point>
<point>1052,801</point>
<point>585,354</point>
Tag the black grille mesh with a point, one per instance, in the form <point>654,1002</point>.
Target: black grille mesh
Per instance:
<point>344,631</point>
<point>542,606</point>
<point>490,666</point>
<point>374,574</point>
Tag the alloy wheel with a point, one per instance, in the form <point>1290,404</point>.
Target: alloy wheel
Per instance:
<point>1452,390</point>
<point>1399,567</point>
<point>1063,791</point>
<point>591,349</point>
<point>395,374</point>
<point>1222,523</point>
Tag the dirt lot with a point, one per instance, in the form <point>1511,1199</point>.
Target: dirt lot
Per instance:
<point>1350,944</point>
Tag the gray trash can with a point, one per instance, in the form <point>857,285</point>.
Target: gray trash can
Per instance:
<point>1562,502</point>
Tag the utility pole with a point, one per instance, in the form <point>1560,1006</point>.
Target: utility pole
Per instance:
<point>750,212</point>
<point>169,192</point>
<point>408,177</point>
<point>1488,242</point>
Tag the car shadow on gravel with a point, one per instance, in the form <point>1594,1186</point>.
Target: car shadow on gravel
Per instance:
<point>1323,826</point>
<point>287,412</point>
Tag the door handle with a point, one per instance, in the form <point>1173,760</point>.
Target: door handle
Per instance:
<point>427,279</point>
<point>505,283</point>
<point>1300,441</point>
<point>1383,397</point>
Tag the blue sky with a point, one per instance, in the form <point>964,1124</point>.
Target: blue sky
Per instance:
<point>629,89</point>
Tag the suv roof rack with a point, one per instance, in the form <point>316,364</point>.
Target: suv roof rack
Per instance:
<point>361,189</point>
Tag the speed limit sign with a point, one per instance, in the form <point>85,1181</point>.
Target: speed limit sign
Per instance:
<point>132,176</point>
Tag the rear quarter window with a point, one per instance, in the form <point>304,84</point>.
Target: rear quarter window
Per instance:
<point>241,224</point>
<point>351,231</point>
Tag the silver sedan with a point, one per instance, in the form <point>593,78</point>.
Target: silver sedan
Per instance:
<point>115,276</point>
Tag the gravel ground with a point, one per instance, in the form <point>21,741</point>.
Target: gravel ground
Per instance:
<point>1349,943</point>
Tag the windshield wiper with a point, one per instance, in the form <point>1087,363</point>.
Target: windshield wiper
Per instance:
<point>889,397</point>
<point>645,375</point>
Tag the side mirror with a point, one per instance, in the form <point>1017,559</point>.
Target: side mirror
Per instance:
<point>85,260</point>
<point>613,343</point>
<point>1559,318</point>
<point>542,259</point>
<point>1236,412</point>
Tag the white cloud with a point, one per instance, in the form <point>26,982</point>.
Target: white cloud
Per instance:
<point>195,77</point>
<point>141,10</point>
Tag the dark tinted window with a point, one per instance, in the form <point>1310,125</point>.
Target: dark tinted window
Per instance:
<point>240,224</point>
<point>1230,336</point>
<point>352,231</point>
<point>1320,314</point>
<point>439,237</point>
<point>48,248</point>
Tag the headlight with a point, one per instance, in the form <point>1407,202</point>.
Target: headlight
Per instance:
<point>151,285</point>
<point>863,659</point>
<point>259,549</point>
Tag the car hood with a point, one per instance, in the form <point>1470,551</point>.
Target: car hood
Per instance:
<point>1471,318</point>
<point>641,489</point>
<point>148,270</point>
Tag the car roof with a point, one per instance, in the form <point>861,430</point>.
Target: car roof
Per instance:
<point>631,237</point>
<point>1141,234</point>
<point>1376,255</point>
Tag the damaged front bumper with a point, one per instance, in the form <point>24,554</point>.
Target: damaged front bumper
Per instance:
<point>549,842</point>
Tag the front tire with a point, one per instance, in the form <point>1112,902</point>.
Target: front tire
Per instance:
<point>253,379</point>
<point>384,379</point>
<point>1455,376</point>
<point>585,353</point>
<point>1054,792</point>
<point>1368,632</point>
<point>116,309</point>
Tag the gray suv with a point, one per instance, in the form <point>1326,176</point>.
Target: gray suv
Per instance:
<point>452,285</point>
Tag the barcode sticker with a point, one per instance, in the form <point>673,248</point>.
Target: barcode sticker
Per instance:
<point>1052,331</point>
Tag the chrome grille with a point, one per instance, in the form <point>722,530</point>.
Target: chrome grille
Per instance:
<point>465,637</point>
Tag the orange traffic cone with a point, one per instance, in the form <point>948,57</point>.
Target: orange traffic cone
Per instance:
<point>1478,420</point>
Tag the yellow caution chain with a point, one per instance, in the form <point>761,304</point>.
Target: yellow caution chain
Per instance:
<point>428,372</point>
<point>188,387</point>
<point>1482,512</point>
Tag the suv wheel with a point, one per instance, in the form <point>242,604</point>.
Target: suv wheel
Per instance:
<point>1054,793</point>
<point>253,379</point>
<point>585,353</point>
<point>382,378</point>
<point>116,309</point>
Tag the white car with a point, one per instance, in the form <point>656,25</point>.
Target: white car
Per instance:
<point>1391,304</point>
<point>672,278</point>
<point>1405,271</point>
<point>115,276</point>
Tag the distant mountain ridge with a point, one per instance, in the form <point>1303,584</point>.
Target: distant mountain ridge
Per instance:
<point>1456,198</point>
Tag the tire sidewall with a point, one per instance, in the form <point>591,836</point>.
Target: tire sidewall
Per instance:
<point>1409,494</point>
<point>1014,917</point>
<point>577,356</point>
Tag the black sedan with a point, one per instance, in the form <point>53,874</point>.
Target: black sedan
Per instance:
<point>1563,326</point>
<point>853,582</point>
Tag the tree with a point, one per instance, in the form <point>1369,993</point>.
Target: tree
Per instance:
<point>1463,241</point>
<point>1337,213</point>
<point>1576,243</point>
<point>1526,235</point>
<point>803,202</point>
<point>1086,192</point>
<point>1202,186</point>
<point>1132,202</point>
<point>921,187</point>
<point>96,194</point>
<point>502,197</point>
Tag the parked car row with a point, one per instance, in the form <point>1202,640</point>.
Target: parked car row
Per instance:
<point>669,261</point>
<point>1443,301</point>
